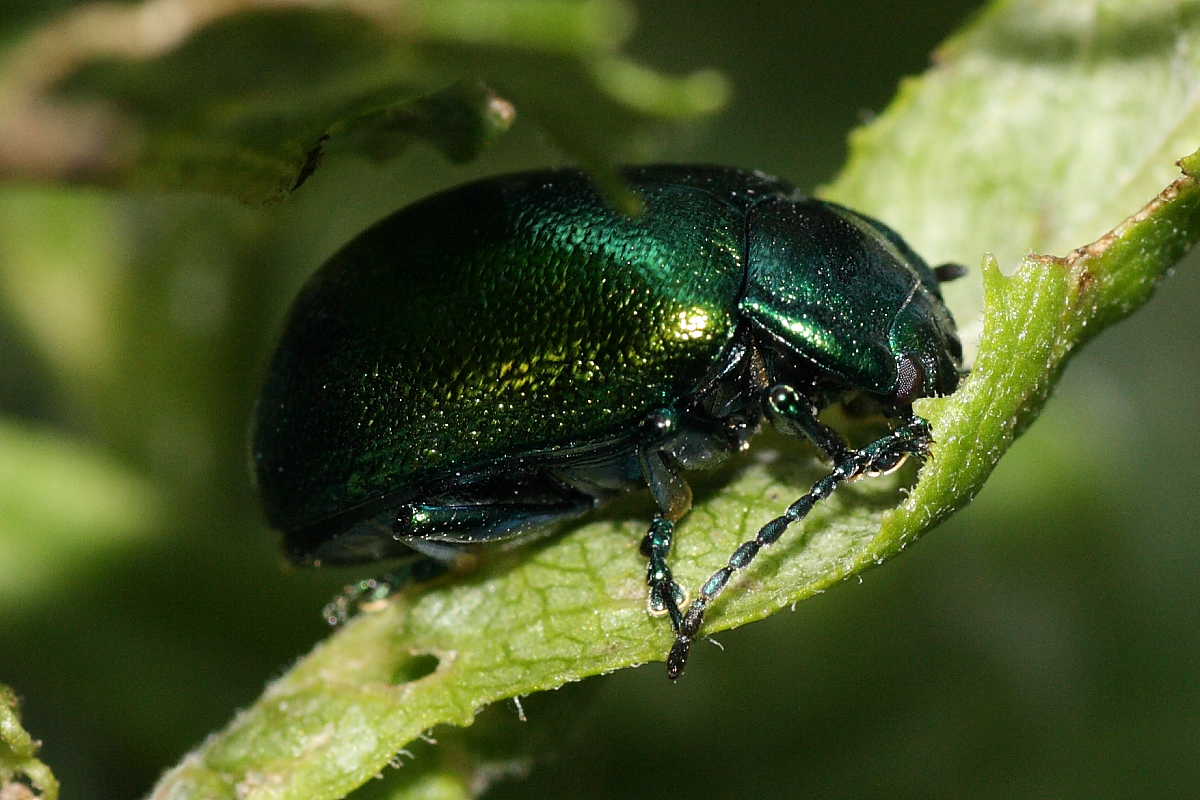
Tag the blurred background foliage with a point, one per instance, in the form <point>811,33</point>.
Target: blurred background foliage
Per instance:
<point>1044,642</point>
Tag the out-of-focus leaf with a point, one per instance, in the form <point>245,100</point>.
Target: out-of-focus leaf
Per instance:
<point>61,267</point>
<point>243,97</point>
<point>18,755</point>
<point>460,121</point>
<point>57,499</point>
<point>963,147</point>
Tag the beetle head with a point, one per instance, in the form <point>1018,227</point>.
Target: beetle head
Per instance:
<point>927,350</point>
<point>848,302</point>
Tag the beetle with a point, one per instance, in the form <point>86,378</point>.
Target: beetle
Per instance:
<point>514,352</point>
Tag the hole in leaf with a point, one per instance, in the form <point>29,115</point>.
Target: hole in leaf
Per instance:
<point>415,667</point>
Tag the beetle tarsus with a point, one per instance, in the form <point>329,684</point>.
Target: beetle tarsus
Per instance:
<point>665,594</point>
<point>355,596</point>
<point>673,496</point>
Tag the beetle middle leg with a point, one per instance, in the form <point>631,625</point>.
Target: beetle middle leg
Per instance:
<point>673,496</point>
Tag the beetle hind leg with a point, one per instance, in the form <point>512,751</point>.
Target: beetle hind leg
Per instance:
<point>464,522</point>
<point>437,532</point>
<point>362,595</point>
<point>486,509</point>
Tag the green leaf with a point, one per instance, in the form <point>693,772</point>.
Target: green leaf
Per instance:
<point>228,98</point>
<point>18,754</point>
<point>1041,125</point>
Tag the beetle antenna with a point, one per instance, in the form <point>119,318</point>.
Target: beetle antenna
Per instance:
<point>949,272</point>
<point>911,437</point>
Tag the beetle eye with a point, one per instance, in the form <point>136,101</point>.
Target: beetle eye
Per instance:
<point>910,379</point>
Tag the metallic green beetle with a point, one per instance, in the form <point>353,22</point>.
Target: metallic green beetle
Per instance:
<point>514,352</point>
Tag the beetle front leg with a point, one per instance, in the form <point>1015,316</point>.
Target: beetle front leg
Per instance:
<point>911,437</point>
<point>791,413</point>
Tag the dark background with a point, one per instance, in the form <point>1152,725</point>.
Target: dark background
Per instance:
<point>1043,643</point>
